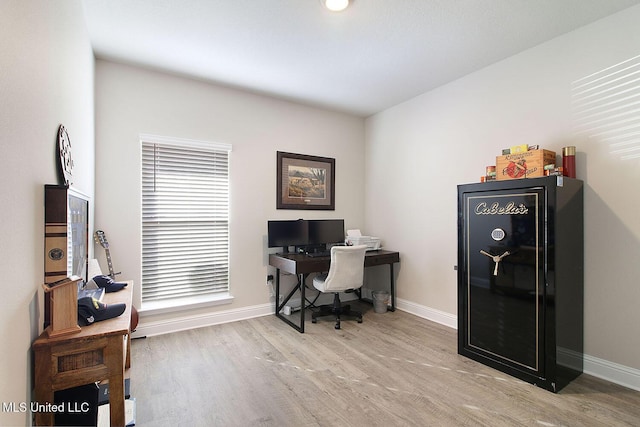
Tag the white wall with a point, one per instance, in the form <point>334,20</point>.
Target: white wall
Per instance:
<point>131,101</point>
<point>419,151</point>
<point>46,79</point>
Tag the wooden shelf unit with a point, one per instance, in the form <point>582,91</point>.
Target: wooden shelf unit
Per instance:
<point>100,351</point>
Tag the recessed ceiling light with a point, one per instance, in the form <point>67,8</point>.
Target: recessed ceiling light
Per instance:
<point>336,5</point>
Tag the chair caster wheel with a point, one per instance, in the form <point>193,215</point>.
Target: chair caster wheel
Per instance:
<point>314,320</point>
<point>337,325</point>
<point>360,320</point>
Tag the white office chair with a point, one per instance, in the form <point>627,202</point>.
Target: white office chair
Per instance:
<point>346,273</point>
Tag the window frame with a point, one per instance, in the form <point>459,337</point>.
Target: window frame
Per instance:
<point>190,301</point>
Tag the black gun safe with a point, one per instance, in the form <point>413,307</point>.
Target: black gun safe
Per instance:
<point>520,277</point>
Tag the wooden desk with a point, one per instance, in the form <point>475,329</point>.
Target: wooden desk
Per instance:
<point>98,352</point>
<point>302,265</point>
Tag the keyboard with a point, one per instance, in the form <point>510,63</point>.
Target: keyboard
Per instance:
<point>318,254</point>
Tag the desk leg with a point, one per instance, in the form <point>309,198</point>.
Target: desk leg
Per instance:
<point>299,286</point>
<point>127,359</point>
<point>44,386</point>
<point>115,360</point>
<point>393,287</point>
<point>277,304</point>
<point>303,301</point>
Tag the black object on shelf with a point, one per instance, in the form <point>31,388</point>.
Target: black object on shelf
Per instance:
<point>103,397</point>
<point>78,406</point>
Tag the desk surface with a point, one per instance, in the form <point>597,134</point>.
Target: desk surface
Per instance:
<point>302,264</point>
<point>116,326</point>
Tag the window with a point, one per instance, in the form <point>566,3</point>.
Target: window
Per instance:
<point>185,221</point>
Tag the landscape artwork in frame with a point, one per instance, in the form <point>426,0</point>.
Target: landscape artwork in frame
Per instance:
<point>305,182</point>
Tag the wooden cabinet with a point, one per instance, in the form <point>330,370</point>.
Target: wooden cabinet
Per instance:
<point>520,277</point>
<point>100,351</point>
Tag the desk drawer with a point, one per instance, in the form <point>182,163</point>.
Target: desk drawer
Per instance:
<point>380,259</point>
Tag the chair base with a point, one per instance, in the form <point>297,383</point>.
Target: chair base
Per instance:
<point>337,310</point>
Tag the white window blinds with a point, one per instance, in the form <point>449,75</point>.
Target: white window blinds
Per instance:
<point>185,218</point>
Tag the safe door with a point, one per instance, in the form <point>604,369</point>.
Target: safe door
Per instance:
<point>502,282</point>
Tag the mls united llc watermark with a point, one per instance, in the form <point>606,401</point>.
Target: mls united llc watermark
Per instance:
<point>35,407</point>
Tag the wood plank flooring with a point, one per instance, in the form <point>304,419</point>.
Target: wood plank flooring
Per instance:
<point>394,369</point>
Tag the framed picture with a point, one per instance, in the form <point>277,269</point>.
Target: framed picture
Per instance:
<point>305,182</point>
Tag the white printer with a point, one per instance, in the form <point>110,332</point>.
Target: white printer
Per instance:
<point>355,237</point>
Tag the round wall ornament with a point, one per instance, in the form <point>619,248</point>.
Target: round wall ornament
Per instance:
<point>65,162</point>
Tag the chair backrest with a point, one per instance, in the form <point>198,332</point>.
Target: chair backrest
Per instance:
<point>347,268</point>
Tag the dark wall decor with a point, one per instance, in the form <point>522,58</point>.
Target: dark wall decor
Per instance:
<point>305,182</point>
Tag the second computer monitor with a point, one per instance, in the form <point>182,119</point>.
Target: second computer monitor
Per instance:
<point>325,231</point>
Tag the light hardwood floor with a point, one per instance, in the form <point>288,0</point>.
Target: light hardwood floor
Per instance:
<point>394,369</point>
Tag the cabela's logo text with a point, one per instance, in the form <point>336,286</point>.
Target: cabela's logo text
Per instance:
<point>495,209</point>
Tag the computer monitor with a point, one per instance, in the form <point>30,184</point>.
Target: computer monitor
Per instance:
<point>287,233</point>
<point>323,231</point>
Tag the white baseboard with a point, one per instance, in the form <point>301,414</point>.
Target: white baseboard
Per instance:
<point>147,328</point>
<point>612,372</point>
<point>600,368</point>
<point>446,319</point>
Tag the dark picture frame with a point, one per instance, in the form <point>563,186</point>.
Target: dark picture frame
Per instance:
<point>305,182</point>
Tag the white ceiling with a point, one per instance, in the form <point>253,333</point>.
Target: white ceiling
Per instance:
<point>370,57</point>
